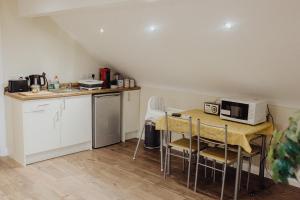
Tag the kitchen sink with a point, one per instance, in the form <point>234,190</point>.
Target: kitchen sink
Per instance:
<point>65,90</point>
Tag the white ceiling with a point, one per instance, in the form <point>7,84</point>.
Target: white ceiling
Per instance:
<point>45,7</point>
<point>190,48</point>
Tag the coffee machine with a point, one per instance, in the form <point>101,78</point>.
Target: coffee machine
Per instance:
<point>105,77</point>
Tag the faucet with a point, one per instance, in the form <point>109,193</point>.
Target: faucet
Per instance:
<point>69,86</point>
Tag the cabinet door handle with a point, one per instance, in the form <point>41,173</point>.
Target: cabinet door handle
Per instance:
<point>43,105</point>
<point>54,122</point>
<point>64,104</point>
<point>37,111</point>
<point>57,116</point>
<point>55,119</point>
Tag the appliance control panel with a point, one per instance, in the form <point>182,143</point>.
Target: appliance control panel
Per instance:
<point>211,108</point>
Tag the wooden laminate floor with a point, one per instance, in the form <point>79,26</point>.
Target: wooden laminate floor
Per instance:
<point>111,174</point>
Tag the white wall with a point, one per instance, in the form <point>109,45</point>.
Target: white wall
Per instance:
<point>2,119</point>
<point>189,99</point>
<point>36,45</point>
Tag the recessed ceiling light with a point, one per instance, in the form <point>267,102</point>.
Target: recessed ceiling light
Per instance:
<point>152,28</point>
<point>228,25</point>
<point>101,30</point>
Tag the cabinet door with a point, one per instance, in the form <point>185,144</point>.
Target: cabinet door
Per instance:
<point>130,113</point>
<point>41,125</point>
<point>76,126</point>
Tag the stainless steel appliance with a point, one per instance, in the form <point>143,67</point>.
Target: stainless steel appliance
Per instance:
<point>211,108</point>
<point>106,119</point>
<point>248,111</point>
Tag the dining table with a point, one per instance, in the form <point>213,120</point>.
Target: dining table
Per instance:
<point>239,135</point>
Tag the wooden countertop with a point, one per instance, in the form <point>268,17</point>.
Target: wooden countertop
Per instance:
<point>50,95</point>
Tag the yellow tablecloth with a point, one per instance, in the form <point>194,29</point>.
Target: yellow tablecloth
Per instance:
<point>238,134</point>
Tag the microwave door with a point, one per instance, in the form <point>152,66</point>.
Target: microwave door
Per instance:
<point>239,111</point>
<point>235,110</point>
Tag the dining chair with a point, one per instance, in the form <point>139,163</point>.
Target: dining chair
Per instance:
<point>186,145</point>
<point>256,150</point>
<point>223,156</point>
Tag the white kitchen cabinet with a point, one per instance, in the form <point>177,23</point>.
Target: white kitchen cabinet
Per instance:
<point>41,126</point>
<point>44,129</point>
<point>130,114</point>
<point>76,117</point>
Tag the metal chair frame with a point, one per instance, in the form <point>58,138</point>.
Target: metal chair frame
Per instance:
<point>186,154</point>
<point>249,158</point>
<point>224,144</point>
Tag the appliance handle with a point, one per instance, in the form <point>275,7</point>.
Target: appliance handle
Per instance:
<point>43,76</point>
<point>106,95</point>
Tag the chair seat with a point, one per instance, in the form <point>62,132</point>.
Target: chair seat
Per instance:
<point>184,144</point>
<point>218,155</point>
<point>255,150</point>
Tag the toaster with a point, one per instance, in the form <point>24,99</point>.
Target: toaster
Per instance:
<point>20,85</point>
<point>212,108</point>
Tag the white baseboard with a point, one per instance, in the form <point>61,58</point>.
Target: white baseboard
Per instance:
<point>3,152</point>
<point>294,183</point>
<point>58,152</point>
<point>131,135</point>
<point>255,170</point>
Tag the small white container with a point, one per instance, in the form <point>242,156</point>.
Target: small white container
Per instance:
<point>132,83</point>
<point>126,83</point>
<point>56,86</point>
<point>120,83</point>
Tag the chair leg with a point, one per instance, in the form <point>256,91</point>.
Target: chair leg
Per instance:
<point>161,151</point>
<point>249,172</point>
<point>212,170</point>
<point>223,181</point>
<point>166,160</point>
<point>138,144</point>
<point>189,170</point>
<point>205,170</point>
<point>183,161</point>
<point>241,170</point>
<point>196,175</point>
<point>169,161</point>
<point>214,177</point>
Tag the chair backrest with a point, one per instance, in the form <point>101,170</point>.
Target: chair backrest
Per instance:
<point>155,108</point>
<point>202,126</point>
<point>189,131</point>
<point>156,103</point>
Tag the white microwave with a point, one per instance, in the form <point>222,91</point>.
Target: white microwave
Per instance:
<point>244,111</point>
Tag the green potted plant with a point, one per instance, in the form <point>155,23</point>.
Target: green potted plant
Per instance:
<point>284,153</point>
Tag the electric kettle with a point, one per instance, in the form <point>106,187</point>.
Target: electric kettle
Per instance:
<point>35,79</point>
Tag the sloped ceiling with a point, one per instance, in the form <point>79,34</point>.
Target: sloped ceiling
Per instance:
<point>184,44</point>
<point>45,7</point>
